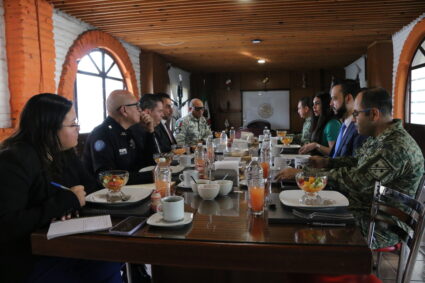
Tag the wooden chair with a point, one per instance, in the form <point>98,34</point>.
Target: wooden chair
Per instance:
<point>385,215</point>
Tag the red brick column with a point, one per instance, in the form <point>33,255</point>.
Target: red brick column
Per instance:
<point>83,45</point>
<point>30,52</point>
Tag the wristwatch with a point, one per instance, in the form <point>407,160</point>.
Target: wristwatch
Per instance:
<point>318,145</point>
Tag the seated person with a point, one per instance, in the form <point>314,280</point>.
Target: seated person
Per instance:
<point>390,155</point>
<point>113,144</point>
<point>194,127</point>
<point>162,131</point>
<point>306,113</point>
<point>325,127</point>
<point>39,152</point>
<point>342,100</point>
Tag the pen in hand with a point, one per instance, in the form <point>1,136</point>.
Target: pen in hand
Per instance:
<point>64,188</point>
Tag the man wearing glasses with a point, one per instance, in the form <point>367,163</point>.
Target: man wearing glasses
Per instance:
<point>112,144</point>
<point>192,128</point>
<point>390,155</point>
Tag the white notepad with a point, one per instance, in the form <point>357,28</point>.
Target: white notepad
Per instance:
<point>79,225</point>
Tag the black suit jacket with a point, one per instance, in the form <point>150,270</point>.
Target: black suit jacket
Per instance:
<point>163,139</point>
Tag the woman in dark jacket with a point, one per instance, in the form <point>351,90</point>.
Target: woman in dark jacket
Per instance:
<point>39,152</point>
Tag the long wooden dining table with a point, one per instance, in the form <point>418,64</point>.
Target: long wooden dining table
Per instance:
<point>224,243</point>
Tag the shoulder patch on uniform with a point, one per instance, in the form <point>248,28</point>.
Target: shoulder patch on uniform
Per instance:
<point>380,168</point>
<point>99,145</point>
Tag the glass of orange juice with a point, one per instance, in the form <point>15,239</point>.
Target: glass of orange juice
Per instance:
<point>256,196</point>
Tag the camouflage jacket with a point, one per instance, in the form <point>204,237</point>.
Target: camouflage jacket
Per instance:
<point>394,158</point>
<point>189,130</point>
<point>304,136</point>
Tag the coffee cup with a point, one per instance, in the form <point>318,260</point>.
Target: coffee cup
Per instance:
<point>301,162</point>
<point>276,150</point>
<point>187,176</point>
<point>185,160</point>
<point>282,162</point>
<point>172,208</point>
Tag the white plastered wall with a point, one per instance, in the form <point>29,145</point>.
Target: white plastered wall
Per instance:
<point>5,121</point>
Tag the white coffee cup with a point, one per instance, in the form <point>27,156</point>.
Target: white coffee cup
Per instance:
<point>282,162</point>
<point>172,208</point>
<point>301,162</point>
<point>276,150</point>
<point>186,177</point>
<point>274,140</point>
<point>185,160</point>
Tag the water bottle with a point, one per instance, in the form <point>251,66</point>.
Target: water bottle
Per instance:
<point>232,134</point>
<point>223,141</point>
<point>254,170</point>
<point>256,192</point>
<point>200,161</point>
<point>266,134</point>
<point>210,148</point>
<point>265,162</point>
<point>162,175</point>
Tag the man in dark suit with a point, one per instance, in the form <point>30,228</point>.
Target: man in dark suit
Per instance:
<point>343,94</point>
<point>163,132</point>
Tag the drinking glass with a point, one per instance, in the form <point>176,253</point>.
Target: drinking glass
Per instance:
<point>287,139</point>
<point>256,196</point>
<point>178,149</point>
<point>281,134</point>
<point>114,180</point>
<point>311,184</point>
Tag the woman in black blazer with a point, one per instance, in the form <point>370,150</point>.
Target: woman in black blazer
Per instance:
<point>41,151</point>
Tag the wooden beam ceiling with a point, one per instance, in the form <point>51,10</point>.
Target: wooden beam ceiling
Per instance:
<point>216,35</point>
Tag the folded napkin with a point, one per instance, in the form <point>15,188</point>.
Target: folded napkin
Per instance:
<point>230,165</point>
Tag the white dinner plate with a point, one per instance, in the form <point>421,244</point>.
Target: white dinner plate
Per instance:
<point>136,193</point>
<point>288,146</point>
<point>292,198</point>
<point>293,156</point>
<point>157,220</point>
<point>174,169</point>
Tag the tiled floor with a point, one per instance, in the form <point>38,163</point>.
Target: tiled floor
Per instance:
<point>389,267</point>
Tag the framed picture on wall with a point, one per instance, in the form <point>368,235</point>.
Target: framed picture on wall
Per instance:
<point>272,106</point>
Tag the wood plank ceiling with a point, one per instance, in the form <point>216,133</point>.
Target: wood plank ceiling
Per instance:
<point>208,35</point>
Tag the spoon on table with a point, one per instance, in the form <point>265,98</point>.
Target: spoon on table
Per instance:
<point>225,176</point>
<point>193,179</point>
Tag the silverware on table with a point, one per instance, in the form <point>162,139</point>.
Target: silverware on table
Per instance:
<point>315,214</point>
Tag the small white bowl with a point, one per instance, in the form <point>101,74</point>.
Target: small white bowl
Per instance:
<point>194,185</point>
<point>208,191</point>
<point>225,186</point>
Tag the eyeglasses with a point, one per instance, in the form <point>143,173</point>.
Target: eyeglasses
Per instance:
<point>199,108</point>
<point>357,112</point>
<point>137,104</point>
<point>73,125</point>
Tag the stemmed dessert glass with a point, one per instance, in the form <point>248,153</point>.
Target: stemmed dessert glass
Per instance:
<point>311,184</point>
<point>114,180</point>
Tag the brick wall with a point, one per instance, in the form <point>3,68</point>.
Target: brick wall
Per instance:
<point>67,29</point>
<point>5,121</point>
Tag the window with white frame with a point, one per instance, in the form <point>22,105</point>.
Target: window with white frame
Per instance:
<point>97,76</point>
<point>416,91</point>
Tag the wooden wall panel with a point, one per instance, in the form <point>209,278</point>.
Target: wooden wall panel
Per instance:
<point>380,65</point>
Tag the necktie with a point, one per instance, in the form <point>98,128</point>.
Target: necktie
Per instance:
<point>339,139</point>
<point>170,135</point>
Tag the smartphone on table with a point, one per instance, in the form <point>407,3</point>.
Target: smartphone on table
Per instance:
<point>128,226</point>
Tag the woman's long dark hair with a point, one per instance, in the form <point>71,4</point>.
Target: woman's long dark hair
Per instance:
<point>40,121</point>
<point>319,123</point>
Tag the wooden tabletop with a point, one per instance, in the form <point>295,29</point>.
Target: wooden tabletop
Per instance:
<point>224,235</point>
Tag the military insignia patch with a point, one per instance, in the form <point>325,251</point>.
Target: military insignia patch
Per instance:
<point>379,169</point>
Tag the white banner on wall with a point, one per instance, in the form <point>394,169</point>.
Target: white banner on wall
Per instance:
<point>272,106</point>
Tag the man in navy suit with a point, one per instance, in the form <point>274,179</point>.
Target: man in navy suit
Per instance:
<point>163,132</point>
<point>343,94</point>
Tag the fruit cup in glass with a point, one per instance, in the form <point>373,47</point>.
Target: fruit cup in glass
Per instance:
<point>114,180</point>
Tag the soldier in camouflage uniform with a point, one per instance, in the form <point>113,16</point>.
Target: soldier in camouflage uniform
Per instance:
<point>389,155</point>
<point>304,110</point>
<point>192,128</point>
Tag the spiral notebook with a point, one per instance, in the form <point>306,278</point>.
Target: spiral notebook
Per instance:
<point>79,225</point>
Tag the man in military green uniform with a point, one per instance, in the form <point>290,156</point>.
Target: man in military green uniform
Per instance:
<point>192,128</point>
<point>305,112</point>
<point>389,155</point>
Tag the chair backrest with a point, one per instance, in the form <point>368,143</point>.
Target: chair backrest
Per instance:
<point>420,194</point>
<point>387,215</point>
<point>257,126</point>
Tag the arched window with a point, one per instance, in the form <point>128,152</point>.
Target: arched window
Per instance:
<point>97,76</point>
<point>416,87</point>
